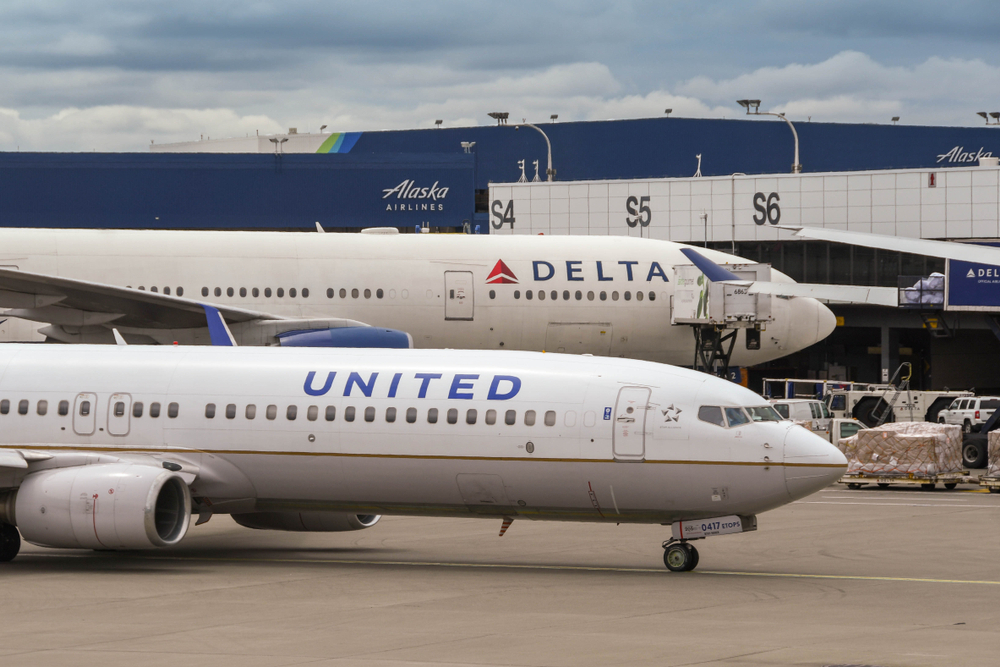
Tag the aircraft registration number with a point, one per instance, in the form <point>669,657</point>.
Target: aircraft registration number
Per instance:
<point>723,525</point>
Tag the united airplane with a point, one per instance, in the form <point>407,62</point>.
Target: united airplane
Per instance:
<point>607,296</point>
<point>119,447</point>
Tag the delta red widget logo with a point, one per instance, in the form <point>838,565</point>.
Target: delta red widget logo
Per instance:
<point>501,275</point>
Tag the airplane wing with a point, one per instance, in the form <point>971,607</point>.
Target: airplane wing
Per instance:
<point>80,311</point>
<point>882,296</point>
<point>45,298</point>
<point>966,252</point>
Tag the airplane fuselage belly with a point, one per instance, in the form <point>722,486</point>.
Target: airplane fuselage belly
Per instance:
<point>611,300</point>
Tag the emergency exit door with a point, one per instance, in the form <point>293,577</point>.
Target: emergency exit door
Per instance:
<point>629,439</point>
<point>458,295</point>
<point>85,414</point>
<point>119,414</point>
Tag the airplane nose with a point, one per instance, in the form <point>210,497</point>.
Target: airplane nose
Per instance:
<point>810,321</point>
<point>811,463</point>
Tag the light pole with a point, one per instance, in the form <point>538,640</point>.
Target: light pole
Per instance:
<point>746,104</point>
<point>550,172</point>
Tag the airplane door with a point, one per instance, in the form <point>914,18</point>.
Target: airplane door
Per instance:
<point>119,413</point>
<point>629,440</point>
<point>458,295</point>
<point>85,414</point>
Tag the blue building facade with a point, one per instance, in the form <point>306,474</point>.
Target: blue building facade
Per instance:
<point>425,177</point>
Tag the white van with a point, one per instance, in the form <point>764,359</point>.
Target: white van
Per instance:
<point>805,410</point>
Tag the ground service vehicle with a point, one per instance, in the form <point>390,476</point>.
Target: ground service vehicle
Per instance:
<point>969,413</point>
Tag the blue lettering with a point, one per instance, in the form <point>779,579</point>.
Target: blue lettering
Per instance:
<point>537,263</point>
<point>600,273</point>
<point>394,385</point>
<point>656,270</point>
<point>355,379</point>
<point>495,395</point>
<point>326,385</point>
<point>628,267</point>
<point>572,270</point>
<point>426,380</point>
<point>460,383</point>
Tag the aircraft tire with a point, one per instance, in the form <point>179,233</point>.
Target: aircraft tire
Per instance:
<point>10,542</point>
<point>680,557</point>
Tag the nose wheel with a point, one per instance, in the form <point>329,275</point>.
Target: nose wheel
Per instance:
<point>10,542</point>
<point>680,557</point>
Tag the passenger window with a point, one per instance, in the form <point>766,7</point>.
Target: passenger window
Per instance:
<point>491,417</point>
<point>590,296</point>
<point>180,291</point>
<point>527,294</point>
<point>453,416</point>
<point>369,414</point>
<point>711,414</point>
<point>243,292</point>
<point>331,413</point>
<point>312,413</point>
<point>529,418</point>
<point>470,416</point>
<point>329,293</point>
<point>251,411</point>
<point>280,292</point>
<point>565,295</point>
<point>493,294</point>
<point>119,409</point>
<point>22,407</point>
<point>267,292</point>
<point>736,416</point>
<point>390,415</point>
<point>154,410</point>
<point>550,417</point>
<point>210,411</point>
<point>136,409</point>
<point>4,406</point>
<point>541,295</point>
<point>172,410</point>
<point>411,415</point>
<point>570,419</point>
<point>291,412</point>
<point>255,292</point>
<point>354,293</point>
<point>204,291</point>
<point>589,418</point>
<point>432,416</point>
<point>231,411</point>
<point>343,293</point>
<point>349,413</point>
<point>84,408</point>
<point>628,295</point>
<point>43,407</point>
<point>64,408</point>
<point>229,291</point>
<point>368,294</point>
<point>554,295</point>
<point>291,292</point>
<point>638,296</point>
<point>579,295</point>
<point>271,412</point>
<point>218,291</point>
<point>614,296</point>
<point>604,296</point>
<point>305,292</point>
<point>517,294</point>
<point>510,418</point>
<point>652,296</point>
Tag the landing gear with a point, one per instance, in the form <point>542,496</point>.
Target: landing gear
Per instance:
<point>10,542</point>
<point>680,557</point>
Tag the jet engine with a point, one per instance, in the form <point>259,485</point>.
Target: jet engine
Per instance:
<point>346,337</point>
<point>107,506</point>
<point>311,522</point>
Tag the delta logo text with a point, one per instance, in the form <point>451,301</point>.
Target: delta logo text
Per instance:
<point>990,275</point>
<point>580,271</point>
<point>459,386</point>
<point>408,190</point>
<point>959,154</point>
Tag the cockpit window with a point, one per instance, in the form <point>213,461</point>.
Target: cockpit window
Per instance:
<point>763,413</point>
<point>736,416</point>
<point>711,414</point>
<point>782,410</point>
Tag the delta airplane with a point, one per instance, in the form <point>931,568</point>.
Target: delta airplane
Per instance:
<point>119,447</point>
<point>608,296</point>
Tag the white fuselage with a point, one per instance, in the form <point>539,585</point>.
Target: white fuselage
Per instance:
<point>541,436</point>
<point>609,296</point>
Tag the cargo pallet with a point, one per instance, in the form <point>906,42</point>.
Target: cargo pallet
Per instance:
<point>926,482</point>
<point>991,483</point>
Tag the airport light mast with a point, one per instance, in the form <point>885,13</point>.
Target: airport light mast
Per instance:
<point>746,104</point>
<point>550,172</point>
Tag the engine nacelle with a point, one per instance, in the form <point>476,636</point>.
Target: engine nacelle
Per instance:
<point>346,337</point>
<point>108,506</point>
<point>311,522</point>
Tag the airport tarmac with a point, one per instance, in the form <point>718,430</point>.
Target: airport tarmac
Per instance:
<point>869,577</point>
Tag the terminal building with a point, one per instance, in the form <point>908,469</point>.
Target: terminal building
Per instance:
<point>721,183</point>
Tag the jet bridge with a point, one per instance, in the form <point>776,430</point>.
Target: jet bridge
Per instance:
<point>716,311</point>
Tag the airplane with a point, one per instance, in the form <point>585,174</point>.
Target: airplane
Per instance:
<point>965,252</point>
<point>116,447</point>
<point>609,296</point>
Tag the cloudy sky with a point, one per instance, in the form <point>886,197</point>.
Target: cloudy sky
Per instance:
<point>116,74</point>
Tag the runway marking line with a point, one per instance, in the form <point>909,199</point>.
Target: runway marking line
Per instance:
<point>565,568</point>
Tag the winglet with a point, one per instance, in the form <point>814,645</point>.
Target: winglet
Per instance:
<point>118,337</point>
<point>217,328</point>
<point>712,271</point>
<point>319,227</point>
